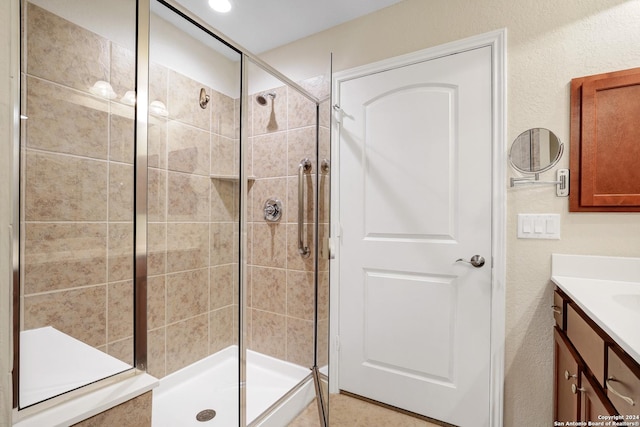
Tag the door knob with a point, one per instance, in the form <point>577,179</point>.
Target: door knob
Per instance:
<point>476,260</point>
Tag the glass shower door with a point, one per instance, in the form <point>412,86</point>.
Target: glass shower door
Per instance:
<point>193,221</point>
<point>75,319</point>
<point>286,308</point>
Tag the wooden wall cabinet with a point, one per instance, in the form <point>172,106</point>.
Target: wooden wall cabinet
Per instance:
<point>605,142</point>
<point>587,365</point>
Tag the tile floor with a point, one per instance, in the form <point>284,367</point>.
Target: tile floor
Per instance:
<point>347,411</point>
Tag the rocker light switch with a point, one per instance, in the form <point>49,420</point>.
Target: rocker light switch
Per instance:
<point>538,226</point>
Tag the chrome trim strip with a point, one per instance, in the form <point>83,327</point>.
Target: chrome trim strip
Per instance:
<point>140,186</point>
<point>244,188</point>
<point>16,88</point>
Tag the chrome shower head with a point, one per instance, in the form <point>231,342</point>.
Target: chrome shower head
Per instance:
<point>262,98</point>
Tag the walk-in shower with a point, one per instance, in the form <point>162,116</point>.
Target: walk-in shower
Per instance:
<point>144,241</point>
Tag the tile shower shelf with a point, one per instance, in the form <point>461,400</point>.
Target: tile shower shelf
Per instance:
<point>230,177</point>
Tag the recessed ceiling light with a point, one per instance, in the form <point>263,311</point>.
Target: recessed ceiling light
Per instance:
<point>222,6</point>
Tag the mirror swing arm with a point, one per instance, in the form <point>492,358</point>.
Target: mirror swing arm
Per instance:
<point>561,183</point>
<point>535,151</point>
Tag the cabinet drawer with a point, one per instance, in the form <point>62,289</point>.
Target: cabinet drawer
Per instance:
<point>587,341</point>
<point>623,382</point>
<point>558,309</point>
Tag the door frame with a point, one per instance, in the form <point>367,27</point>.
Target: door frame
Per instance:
<point>497,41</point>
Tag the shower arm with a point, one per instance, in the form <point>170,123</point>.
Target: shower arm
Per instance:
<point>303,167</point>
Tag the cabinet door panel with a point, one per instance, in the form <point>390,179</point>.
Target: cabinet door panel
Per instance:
<point>604,150</point>
<point>566,375</point>
<point>593,402</point>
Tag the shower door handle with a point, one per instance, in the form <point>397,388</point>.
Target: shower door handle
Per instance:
<point>303,167</point>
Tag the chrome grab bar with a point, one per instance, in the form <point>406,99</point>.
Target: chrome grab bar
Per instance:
<point>303,167</point>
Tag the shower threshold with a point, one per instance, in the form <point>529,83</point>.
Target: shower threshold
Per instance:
<point>212,384</point>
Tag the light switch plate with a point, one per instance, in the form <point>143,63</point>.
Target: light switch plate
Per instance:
<point>538,226</point>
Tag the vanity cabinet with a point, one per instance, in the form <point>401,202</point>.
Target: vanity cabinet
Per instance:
<point>593,376</point>
<point>604,150</point>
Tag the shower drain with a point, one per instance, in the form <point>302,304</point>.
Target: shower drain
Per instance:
<point>206,415</point>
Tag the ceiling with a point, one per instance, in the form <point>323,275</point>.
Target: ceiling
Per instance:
<point>261,25</point>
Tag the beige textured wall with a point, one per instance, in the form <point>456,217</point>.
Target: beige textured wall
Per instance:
<point>549,42</point>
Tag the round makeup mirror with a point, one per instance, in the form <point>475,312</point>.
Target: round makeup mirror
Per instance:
<point>535,150</point>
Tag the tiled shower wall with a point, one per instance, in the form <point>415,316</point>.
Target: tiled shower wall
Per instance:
<point>77,185</point>
<point>281,283</point>
<point>78,201</point>
<point>78,208</point>
<point>193,224</point>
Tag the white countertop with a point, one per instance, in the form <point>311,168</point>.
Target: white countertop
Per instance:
<point>607,289</point>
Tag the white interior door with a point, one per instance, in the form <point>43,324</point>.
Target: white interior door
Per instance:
<point>415,154</point>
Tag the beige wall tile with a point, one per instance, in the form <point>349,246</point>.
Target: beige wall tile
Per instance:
<point>132,413</point>
<point>225,154</point>
<point>187,246</point>
<point>156,301</point>
<point>223,331</point>
<point>270,152</point>
<point>156,248</point>
<point>64,120</point>
<point>183,101</point>
<point>120,252</point>
<point>80,313</point>
<point>302,111</point>
<point>301,144</point>
<point>79,59</point>
<point>187,342</point>
<point>119,310</point>
<point>269,245</point>
<point>156,195</point>
<point>268,333</point>
<point>188,149</point>
<point>269,289</point>
<point>187,294</point>
<point>301,294</point>
<point>122,350</point>
<point>300,341</point>
<point>64,188</point>
<point>121,133</point>
<point>188,197</point>
<point>123,70</point>
<point>224,243</point>
<point>157,145</point>
<point>156,352</point>
<point>121,185</point>
<point>158,83</point>
<point>58,256</point>
<point>223,283</point>
<point>223,115</point>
